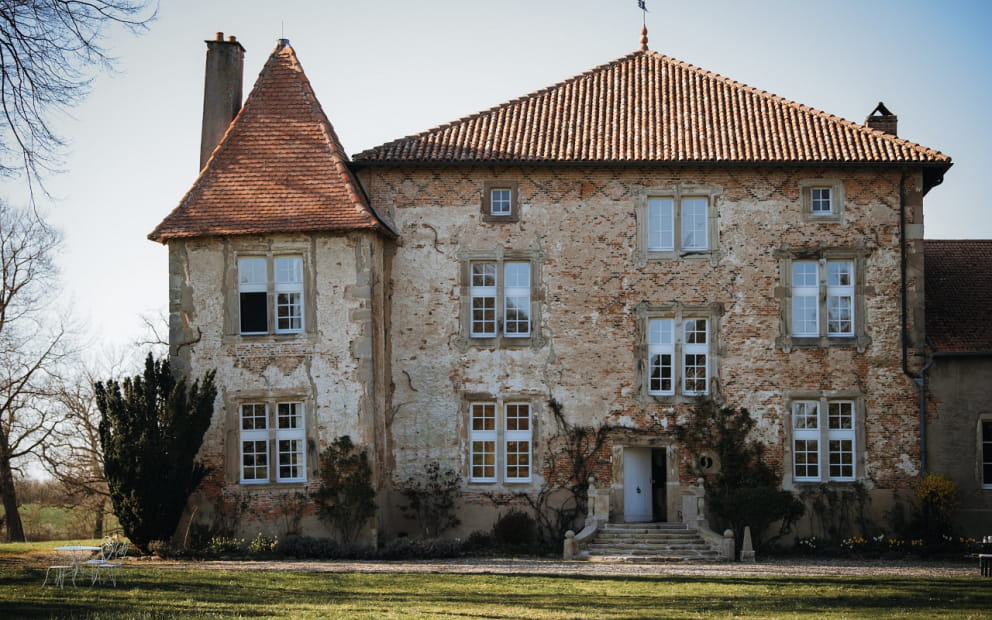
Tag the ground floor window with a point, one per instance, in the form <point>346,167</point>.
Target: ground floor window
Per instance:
<point>500,441</point>
<point>824,442</point>
<point>272,442</point>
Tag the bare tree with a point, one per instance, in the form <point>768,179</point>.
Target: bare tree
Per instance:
<point>72,454</point>
<point>32,346</point>
<point>50,51</point>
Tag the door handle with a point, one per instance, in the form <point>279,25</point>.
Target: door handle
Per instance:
<point>638,490</point>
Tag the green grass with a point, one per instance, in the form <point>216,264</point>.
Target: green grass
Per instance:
<point>154,592</point>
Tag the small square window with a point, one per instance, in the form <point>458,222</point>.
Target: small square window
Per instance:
<point>820,203</point>
<point>499,202</point>
<point>822,200</point>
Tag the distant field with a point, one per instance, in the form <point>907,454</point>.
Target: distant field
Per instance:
<point>57,523</point>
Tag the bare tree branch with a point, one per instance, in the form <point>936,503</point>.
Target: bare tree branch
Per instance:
<point>33,348</point>
<point>50,51</point>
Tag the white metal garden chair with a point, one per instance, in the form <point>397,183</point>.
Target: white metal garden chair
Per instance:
<point>110,561</point>
<point>60,570</point>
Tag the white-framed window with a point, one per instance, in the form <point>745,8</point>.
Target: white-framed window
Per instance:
<point>689,215</point>
<point>517,442</point>
<point>499,201</point>
<point>986,453</point>
<point>500,299</point>
<point>254,442</point>
<point>822,200</point>
<point>824,440</point>
<point>679,355</point>
<point>272,434</point>
<point>831,281</point>
<point>500,441</point>
<point>265,278</point>
<point>289,294</point>
<point>677,222</point>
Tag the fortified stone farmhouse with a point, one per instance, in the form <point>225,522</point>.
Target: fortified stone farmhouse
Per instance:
<point>601,252</point>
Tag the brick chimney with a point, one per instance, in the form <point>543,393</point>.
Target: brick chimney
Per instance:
<point>221,91</point>
<point>882,120</point>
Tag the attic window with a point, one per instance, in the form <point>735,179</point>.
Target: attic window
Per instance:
<point>822,200</point>
<point>499,201</point>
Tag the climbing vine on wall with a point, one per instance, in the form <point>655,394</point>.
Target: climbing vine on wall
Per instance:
<point>745,490</point>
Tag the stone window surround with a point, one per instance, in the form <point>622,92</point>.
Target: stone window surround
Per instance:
<point>836,187</point>
<point>858,254</point>
<point>501,255</point>
<point>678,311</point>
<point>500,400</point>
<point>268,248</point>
<point>823,397</point>
<point>676,193</point>
<point>232,442</point>
<point>514,214</point>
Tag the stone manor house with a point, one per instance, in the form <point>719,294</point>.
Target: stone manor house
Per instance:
<point>620,243</point>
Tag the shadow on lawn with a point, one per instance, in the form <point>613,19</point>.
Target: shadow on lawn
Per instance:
<point>149,593</point>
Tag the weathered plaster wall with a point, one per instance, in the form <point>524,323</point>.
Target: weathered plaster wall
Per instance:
<point>961,392</point>
<point>336,367</point>
<point>582,222</point>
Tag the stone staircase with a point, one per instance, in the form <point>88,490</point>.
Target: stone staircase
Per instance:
<point>648,542</point>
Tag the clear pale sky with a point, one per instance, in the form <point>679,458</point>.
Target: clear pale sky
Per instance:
<point>384,69</point>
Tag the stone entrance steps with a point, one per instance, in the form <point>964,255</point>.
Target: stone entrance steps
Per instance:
<point>648,542</point>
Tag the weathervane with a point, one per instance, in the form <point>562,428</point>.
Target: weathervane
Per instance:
<point>644,24</point>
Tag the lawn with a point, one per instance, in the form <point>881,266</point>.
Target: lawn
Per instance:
<point>153,592</point>
<point>157,591</point>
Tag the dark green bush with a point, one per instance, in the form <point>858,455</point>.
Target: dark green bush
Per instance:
<point>515,528</point>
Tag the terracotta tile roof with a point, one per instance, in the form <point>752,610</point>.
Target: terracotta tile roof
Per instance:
<point>647,107</point>
<point>279,168</point>
<point>958,295</point>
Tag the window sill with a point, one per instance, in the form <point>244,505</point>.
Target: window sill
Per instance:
<point>503,342</point>
<point>788,343</point>
<point>500,219</point>
<point>675,399</point>
<point>823,218</point>
<point>268,338</point>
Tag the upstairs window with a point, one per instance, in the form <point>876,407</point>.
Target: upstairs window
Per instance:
<point>494,311</point>
<point>822,200</point>
<point>677,222</point>
<point>678,362</point>
<point>831,281</point>
<point>824,298</point>
<point>270,294</point>
<point>499,202</point>
<point>692,216</point>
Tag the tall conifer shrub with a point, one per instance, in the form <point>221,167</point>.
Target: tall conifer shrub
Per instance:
<point>151,427</point>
